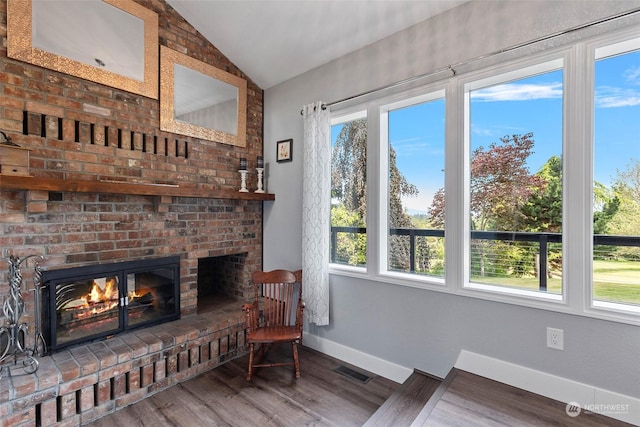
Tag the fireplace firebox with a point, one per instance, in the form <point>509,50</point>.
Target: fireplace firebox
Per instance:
<point>88,303</point>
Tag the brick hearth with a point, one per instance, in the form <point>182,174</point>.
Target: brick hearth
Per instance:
<point>84,383</point>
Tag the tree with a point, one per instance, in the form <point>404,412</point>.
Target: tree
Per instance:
<point>543,210</point>
<point>501,183</point>
<point>628,180</point>
<point>348,184</point>
<point>624,221</point>
<point>429,251</point>
<point>500,186</point>
<point>621,211</point>
<point>398,187</point>
<point>436,210</point>
<point>399,247</point>
<point>606,204</point>
<point>351,248</point>
<point>543,213</point>
<point>349,167</point>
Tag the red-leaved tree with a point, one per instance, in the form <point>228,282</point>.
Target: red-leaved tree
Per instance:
<point>500,184</point>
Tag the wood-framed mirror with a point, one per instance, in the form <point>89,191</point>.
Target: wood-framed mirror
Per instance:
<point>200,100</point>
<point>111,42</point>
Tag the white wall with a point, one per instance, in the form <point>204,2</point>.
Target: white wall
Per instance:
<point>422,329</point>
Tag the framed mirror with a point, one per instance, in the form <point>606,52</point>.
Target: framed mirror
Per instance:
<point>200,100</point>
<point>111,42</point>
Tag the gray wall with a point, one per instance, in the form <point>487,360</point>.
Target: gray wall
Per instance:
<point>418,328</point>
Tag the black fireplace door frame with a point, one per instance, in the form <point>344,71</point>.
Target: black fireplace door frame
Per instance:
<point>174,269</point>
<point>52,278</point>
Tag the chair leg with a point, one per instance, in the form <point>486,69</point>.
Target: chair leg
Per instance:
<point>250,372</point>
<point>296,362</point>
<point>262,350</point>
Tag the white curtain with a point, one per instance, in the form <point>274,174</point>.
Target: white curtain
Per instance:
<point>316,209</point>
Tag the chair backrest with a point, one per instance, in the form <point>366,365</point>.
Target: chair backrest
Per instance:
<point>298,292</point>
<point>279,296</point>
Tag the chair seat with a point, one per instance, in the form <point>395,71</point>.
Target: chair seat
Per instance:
<point>272,334</point>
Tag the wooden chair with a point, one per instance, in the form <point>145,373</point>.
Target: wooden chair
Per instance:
<point>274,318</point>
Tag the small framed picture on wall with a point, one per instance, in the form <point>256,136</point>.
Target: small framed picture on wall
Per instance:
<point>283,150</point>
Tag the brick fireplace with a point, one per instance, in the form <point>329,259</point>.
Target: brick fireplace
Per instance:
<point>64,121</point>
<point>219,276</point>
<point>95,199</point>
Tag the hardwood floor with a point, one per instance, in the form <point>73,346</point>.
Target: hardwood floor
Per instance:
<point>470,400</point>
<point>407,402</point>
<point>222,397</point>
<point>324,397</point>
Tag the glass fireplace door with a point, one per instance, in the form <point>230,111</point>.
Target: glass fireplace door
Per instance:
<point>150,295</point>
<point>86,308</point>
<point>93,302</point>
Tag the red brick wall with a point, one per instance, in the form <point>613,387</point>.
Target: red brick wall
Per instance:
<point>72,229</point>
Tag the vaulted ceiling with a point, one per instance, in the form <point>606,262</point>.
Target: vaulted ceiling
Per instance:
<point>275,40</point>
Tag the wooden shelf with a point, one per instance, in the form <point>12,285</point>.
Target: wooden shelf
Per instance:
<point>11,182</point>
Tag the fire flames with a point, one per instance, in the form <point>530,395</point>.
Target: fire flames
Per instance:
<point>102,298</point>
<point>109,293</point>
<point>94,307</point>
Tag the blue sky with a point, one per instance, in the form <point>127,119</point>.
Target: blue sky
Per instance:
<point>528,105</point>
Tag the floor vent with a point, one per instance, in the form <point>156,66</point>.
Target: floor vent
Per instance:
<point>353,374</point>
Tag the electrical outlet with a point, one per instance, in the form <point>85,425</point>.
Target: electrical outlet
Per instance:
<point>555,338</point>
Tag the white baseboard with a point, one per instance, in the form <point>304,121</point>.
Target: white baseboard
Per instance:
<point>592,399</point>
<point>357,358</point>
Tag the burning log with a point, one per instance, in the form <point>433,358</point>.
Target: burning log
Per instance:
<point>144,299</point>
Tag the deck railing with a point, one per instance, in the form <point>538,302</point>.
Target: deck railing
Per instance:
<point>542,240</point>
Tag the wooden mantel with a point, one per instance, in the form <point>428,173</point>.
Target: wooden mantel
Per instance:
<point>9,182</point>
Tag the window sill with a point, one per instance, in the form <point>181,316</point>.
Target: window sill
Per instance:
<point>531,299</point>
<point>615,312</point>
<point>519,293</point>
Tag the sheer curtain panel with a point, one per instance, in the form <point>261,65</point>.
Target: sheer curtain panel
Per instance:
<point>316,205</point>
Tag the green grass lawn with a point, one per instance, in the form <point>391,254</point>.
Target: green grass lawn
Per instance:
<point>613,281</point>
<point>617,281</point>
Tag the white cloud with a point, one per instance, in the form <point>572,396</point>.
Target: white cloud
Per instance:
<point>632,75</point>
<point>482,131</point>
<point>497,131</point>
<point>518,92</point>
<point>414,146</point>
<point>613,97</point>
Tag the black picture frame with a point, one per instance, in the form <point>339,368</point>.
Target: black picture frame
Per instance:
<point>283,150</point>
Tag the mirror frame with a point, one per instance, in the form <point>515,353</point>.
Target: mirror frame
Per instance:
<point>20,47</point>
<point>168,59</point>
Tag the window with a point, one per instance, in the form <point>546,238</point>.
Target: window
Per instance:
<point>616,186</point>
<point>349,190</point>
<point>515,180</point>
<point>415,132</point>
<point>507,147</point>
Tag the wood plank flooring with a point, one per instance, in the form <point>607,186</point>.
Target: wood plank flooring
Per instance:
<point>324,397</point>
<point>471,400</point>
<point>222,397</point>
<point>406,403</point>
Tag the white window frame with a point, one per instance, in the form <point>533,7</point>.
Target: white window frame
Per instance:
<point>344,117</point>
<point>491,77</point>
<point>407,100</point>
<point>615,44</point>
<point>578,100</point>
